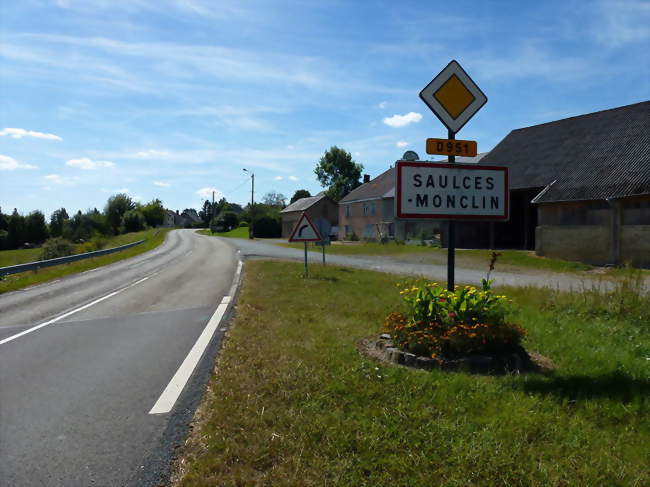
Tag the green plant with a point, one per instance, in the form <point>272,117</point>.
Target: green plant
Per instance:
<point>447,324</point>
<point>56,247</point>
<point>243,224</point>
<point>352,237</point>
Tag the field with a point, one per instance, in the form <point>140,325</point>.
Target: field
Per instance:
<point>292,401</point>
<point>153,237</point>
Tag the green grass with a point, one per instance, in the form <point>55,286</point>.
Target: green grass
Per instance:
<point>239,232</point>
<point>153,237</point>
<point>509,260</point>
<point>22,256</point>
<point>294,403</point>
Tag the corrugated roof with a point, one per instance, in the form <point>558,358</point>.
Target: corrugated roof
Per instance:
<point>304,203</point>
<point>595,156</point>
<point>374,189</point>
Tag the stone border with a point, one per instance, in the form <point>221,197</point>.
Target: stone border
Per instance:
<point>518,361</point>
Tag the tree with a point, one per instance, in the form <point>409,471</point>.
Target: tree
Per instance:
<point>205,213</point>
<point>154,213</point>
<point>337,172</point>
<point>228,220</point>
<point>35,227</point>
<point>16,230</point>
<point>133,221</point>
<point>274,199</point>
<point>115,209</point>
<point>301,193</point>
<point>57,221</point>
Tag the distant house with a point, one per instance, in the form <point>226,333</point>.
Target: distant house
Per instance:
<point>369,211</point>
<point>316,207</point>
<point>580,188</point>
<point>185,219</point>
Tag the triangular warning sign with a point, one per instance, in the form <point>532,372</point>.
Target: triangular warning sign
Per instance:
<point>304,231</point>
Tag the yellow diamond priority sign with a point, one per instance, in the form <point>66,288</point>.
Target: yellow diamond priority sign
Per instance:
<point>453,97</point>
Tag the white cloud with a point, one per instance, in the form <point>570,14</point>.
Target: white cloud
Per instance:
<point>57,179</point>
<point>88,164</point>
<point>16,133</point>
<point>206,193</point>
<point>9,164</point>
<point>402,120</point>
<point>402,143</point>
<point>382,105</point>
<point>278,178</point>
<point>137,198</point>
<point>622,22</point>
<point>293,178</point>
<point>151,154</point>
<point>162,184</point>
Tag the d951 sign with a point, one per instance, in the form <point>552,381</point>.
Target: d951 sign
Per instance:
<point>448,147</point>
<point>451,191</point>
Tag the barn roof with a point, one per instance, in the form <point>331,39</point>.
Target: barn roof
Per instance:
<point>589,157</point>
<point>304,203</point>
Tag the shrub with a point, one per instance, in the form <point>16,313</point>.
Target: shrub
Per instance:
<point>446,324</point>
<point>353,237</point>
<point>243,224</point>
<point>56,247</point>
<point>268,227</point>
<point>133,221</point>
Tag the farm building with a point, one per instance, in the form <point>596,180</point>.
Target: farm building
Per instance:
<point>579,188</point>
<point>317,207</point>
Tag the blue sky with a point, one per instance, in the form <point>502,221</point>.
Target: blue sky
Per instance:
<point>172,98</point>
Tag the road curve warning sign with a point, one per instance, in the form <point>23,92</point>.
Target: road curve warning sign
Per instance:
<point>305,231</point>
<point>451,191</point>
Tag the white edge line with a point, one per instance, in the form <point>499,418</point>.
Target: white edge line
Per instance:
<point>170,395</point>
<point>76,310</point>
<point>58,318</point>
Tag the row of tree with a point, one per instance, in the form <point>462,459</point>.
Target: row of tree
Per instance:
<point>336,171</point>
<point>121,215</point>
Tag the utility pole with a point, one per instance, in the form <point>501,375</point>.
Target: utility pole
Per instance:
<point>211,213</point>
<point>250,227</point>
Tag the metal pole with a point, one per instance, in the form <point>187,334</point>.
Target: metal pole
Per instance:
<point>211,213</point>
<point>306,269</point>
<point>323,252</point>
<point>251,233</point>
<point>451,239</point>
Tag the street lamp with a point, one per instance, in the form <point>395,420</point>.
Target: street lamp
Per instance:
<point>250,227</point>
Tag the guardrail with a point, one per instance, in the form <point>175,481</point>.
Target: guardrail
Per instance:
<point>34,266</point>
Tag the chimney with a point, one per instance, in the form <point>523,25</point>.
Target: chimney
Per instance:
<point>366,178</point>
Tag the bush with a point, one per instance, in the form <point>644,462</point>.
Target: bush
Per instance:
<point>133,221</point>
<point>444,324</point>
<point>352,237</point>
<point>229,220</point>
<point>267,227</point>
<point>243,224</point>
<point>56,247</point>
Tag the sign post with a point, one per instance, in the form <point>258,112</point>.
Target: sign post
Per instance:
<point>305,231</point>
<point>454,98</point>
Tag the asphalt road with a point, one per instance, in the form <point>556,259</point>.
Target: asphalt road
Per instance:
<point>76,392</point>
<point>523,277</point>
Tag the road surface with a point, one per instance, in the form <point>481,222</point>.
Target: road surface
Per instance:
<point>524,277</point>
<point>86,364</point>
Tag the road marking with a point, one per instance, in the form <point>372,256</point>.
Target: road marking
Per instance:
<point>59,318</point>
<point>169,396</point>
<point>76,310</point>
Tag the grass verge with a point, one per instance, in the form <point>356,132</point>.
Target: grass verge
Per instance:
<point>239,232</point>
<point>153,237</point>
<point>511,259</point>
<point>293,403</point>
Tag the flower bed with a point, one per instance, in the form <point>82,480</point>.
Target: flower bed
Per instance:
<point>450,326</point>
